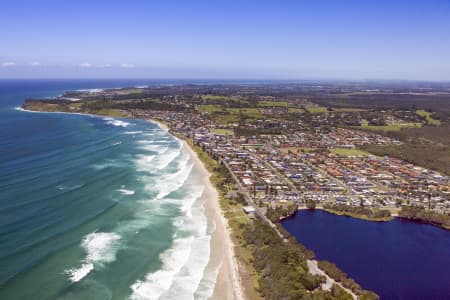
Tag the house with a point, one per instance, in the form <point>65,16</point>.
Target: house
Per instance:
<point>249,210</point>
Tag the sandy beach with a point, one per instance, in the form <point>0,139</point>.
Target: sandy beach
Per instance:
<point>228,284</point>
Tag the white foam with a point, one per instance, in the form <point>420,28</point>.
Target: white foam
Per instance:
<point>63,187</point>
<point>70,99</point>
<point>158,282</point>
<point>116,143</point>
<point>163,161</point>
<point>55,112</point>
<point>189,201</point>
<point>175,182</point>
<point>100,248</point>
<point>107,164</point>
<point>184,264</point>
<point>91,91</point>
<point>160,149</point>
<point>144,162</point>
<point>125,192</point>
<point>133,132</point>
<point>206,286</point>
<point>118,123</point>
<point>76,275</point>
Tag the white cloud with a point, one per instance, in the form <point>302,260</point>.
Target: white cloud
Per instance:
<point>85,65</point>
<point>35,63</point>
<point>127,66</point>
<point>8,64</point>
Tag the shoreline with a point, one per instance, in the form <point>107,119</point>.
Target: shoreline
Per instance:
<point>222,257</point>
<point>357,216</point>
<point>228,283</point>
<point>364,218</point>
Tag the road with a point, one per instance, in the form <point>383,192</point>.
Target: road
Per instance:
<point>315,270</point>
<point>250,201</point>
<point>312,264</point>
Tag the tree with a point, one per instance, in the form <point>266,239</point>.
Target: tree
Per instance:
<point>310,204</point>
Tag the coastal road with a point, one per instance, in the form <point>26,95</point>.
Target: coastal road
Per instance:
<point>249,201</point>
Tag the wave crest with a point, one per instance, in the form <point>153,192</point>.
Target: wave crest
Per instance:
<point>100,248</point>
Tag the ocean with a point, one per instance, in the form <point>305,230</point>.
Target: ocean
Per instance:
<point>97,207</point>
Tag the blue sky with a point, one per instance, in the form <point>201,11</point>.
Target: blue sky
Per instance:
<point>365,39</point>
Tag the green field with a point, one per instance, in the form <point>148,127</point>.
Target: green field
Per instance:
<point>348,109</point>
<point>428,117</point>
<point>252,113</point>
<point>295,110</point>
<point>226,119</point>
<point>113,112</point>
<point>209,108</point>
<point>349,152</point>
<point>222,131</point>
<point>217,97</point>
<point>316,109</point>
<point>273,104</point>
<point>387,128</point>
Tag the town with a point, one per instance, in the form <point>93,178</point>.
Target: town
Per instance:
<point>284,148</point>
<point>319,164</point>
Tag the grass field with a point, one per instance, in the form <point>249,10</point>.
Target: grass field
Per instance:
<point>348,109</point>
<point>209,108</point>
<point>349,152</point>
<point>223,131</point>
<point>252,113</point>
<point>295,110</point>
<point>226,119</point>
<point>427,116</point>
<point>316,109</point>
<point>273,104</point>
<point>386,128</point>
<point>217,97</point>
<point>111,112</point>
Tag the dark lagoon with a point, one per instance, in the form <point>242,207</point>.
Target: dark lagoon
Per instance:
<point>397,259</point>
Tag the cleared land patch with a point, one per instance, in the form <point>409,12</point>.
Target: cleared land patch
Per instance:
<point>428,117</point>
<point>316,109</point>
<point>273,104</point>
<point>222,131</point>
<point>349,152</point>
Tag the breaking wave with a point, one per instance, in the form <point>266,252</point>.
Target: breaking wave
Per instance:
<point>184,264</point>
<point>126,192</point>
<point>170,190</point>
<point>114,122</point>
<point>100,248</point>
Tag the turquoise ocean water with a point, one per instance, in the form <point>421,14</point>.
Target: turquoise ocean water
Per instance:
<point>96,208</point>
